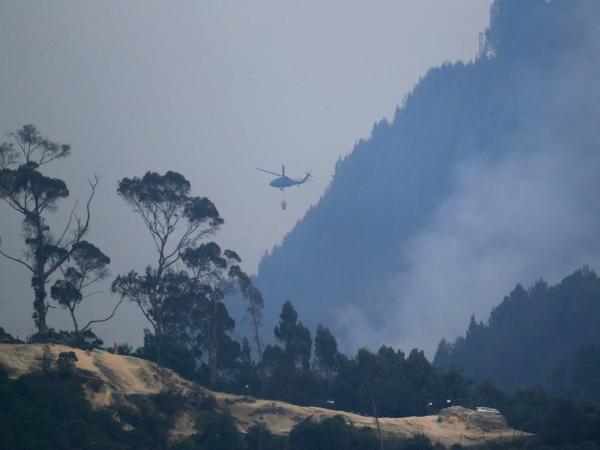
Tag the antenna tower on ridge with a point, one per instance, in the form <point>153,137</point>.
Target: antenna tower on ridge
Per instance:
<point>481,43</point>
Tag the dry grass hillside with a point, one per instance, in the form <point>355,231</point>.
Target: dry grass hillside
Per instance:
<point>121,377</point>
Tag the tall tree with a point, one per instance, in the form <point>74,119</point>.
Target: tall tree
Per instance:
<point>295,336</point>
<point>29,192</point>
<point>176,220</point>
<point>213,270</point>
<point>326,351</point>
<point>255,306</point>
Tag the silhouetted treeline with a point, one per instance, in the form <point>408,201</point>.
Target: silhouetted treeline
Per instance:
<point>179,294</point>
<point>545,336</point>
<point>386,383</point>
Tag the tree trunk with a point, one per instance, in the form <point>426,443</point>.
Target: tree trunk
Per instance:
<point>38,281</point>
<point>213,367</point>
<point>75,324</point>
<point>158,337</point>
<point>155,304</point>
<point>213,363</point>
<point>259,350</point>
<point>39,303</point>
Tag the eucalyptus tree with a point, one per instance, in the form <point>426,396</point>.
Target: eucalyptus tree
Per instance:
<point>30,193</point>
<point>87,265</point>
<point>295,336</point>
<point>215,272</point>
<point>326,352</point>
<point>182,294</point>
<point>254,309</point>
<point>176,220</point>
<point>254,312</point>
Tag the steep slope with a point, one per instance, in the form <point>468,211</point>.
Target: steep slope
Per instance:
<point>123,377</point>
<point>423,195</point>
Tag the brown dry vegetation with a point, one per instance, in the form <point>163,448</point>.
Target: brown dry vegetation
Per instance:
<point>122,377</point>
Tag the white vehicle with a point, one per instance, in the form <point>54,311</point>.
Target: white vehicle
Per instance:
<point>485,409</point>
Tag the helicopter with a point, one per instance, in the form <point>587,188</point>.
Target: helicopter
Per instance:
<point>283,181</point>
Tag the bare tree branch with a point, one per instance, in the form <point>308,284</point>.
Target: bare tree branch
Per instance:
<point>90,294</point>
<point>81,229</point>
<point>62,236</point>
<point>103,320</point>
<point>20,261</point>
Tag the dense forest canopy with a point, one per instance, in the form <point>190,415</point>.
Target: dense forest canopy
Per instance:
<point>482,179</point>
<point>543,336</point>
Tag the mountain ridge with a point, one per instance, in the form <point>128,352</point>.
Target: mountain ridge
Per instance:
<point>466,128</point>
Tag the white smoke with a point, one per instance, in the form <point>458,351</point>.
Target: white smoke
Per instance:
<point>527,217</point>
<point>532,213</point>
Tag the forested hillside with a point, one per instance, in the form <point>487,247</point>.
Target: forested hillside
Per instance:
<point>366,257</point>
<point>544,336</point>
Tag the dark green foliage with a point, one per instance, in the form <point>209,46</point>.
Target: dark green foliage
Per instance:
<point>254,309</point>
<point>418,442</point>
<point>248,379</point>
<point>86,266</point>
<point>287,368</point>
<point>160,197</point>
<point>149,420</point>
<point>585,373</point>
<point>175,355</point>
<point>326,351</point>
<point>176,221</point>
<point>389,385</point>
<point>547,335</point>
<point>216,431</point>
<point>294,336</point>
<point>169,403</point>
<point>85,340</point>
<point>383,383</point>
<point>122,348</point>
<point>7,338</point>
<point>337,434</point>
<point>66,362</point>
<point>532,444</point>
<point>558,422</point>
<point>332,434</point>
<point>50,411</point>
<point>208,403</point>
<point>190,325</point>
<point>259,437</point>
<point>3,374</point>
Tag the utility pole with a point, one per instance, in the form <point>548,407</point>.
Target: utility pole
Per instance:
<point>377,422</point>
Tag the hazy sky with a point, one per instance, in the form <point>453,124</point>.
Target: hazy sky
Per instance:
<point>211,89</point>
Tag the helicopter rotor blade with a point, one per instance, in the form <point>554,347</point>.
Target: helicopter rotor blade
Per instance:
<point>268,171</point>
